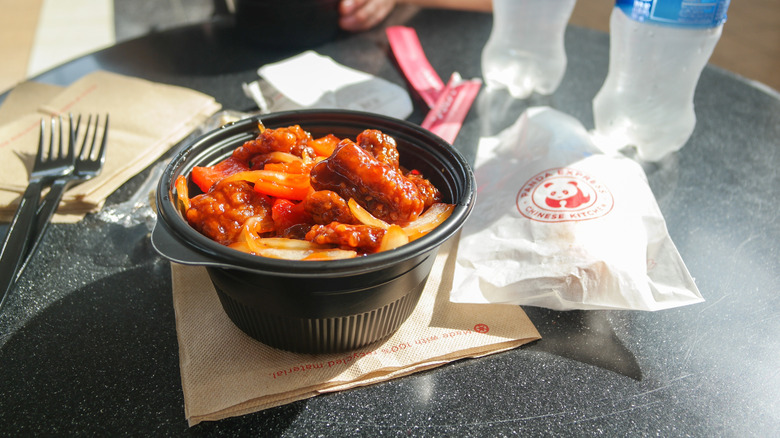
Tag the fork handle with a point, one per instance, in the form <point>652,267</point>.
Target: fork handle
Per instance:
<point>43,218</point>
<point>14,249</point>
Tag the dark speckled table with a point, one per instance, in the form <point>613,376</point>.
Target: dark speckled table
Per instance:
<point>89,343</point>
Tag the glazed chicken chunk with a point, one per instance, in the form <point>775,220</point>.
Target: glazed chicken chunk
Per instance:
<point>382,189</point>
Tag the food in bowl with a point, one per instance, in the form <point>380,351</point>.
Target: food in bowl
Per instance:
<point>315,306</point>
<point>288,195</point>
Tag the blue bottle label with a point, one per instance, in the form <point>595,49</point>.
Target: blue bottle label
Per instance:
<point>683,13</point>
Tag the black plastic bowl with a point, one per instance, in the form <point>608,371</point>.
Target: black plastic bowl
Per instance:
<point>317,306</point>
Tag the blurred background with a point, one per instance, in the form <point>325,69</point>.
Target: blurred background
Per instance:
<point>36,35</point>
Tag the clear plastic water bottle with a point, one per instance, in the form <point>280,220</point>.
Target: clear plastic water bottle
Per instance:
<point>525,51</point>
<point>658,49</point>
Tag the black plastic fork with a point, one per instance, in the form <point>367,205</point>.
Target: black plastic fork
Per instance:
<point>48,166</point>
<point>88,164</point>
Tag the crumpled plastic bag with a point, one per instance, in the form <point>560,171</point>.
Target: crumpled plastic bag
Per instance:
<point>310,80</point>
<point>558,224</point>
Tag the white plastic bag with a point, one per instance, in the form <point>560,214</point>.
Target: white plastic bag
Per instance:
<point>310,80</point>
<point>557,224</point>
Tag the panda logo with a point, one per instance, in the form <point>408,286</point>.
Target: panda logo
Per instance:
<point>564,194</point>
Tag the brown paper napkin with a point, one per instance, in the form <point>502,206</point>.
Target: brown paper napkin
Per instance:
<point>147,118</point>
<point>226,373</point>
<point>25,98</point>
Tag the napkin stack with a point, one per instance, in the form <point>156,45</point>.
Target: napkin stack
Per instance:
<point>226,373</point>
<point>146,119</point>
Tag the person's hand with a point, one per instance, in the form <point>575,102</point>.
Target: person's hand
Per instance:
<point>359,15</point>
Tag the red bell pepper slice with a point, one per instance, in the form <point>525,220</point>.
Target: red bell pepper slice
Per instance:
<point>282,185</point>
<point>324,146</point>
<point>286,213</point>
<point>205,177</point>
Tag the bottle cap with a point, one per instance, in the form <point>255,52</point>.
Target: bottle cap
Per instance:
<point>680,13</point>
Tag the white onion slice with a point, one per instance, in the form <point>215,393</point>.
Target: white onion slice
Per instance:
<point>430,219</point>
<point>363,215</point>
<point>393,238</point>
